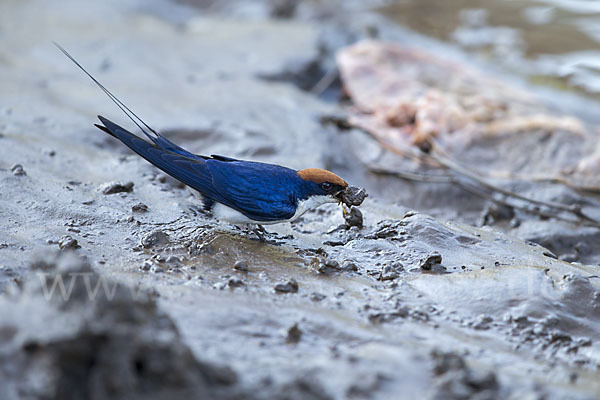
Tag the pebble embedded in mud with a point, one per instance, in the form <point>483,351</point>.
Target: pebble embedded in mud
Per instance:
<point>154,238</point>
<point>139,208</point>
<point>429,261</point>
<point>290,286</point>
<point>323,265</point>
<point>18,170</point>
<point>348,265</point>
<point>67,242</point>
<point>235,283</point>
<point>116,187</point>
<point>294,334</point>
<point>388,273</point>
<point>241,265</point>
<point>146,265</point>
<point>316,297</point>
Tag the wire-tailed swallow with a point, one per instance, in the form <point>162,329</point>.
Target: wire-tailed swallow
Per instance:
<point>234,190</point>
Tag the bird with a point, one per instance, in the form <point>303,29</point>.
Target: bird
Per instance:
<point>236,191</point>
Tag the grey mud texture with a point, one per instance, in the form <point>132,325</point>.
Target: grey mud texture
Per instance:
<point>415,304</point>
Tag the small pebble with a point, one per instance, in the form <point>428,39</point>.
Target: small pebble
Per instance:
<point>290,286</point>
<point>235,282</point>
<point>348,265</point>
<point>241,265</point>
<point>294,334</point>
<point>67,242</point>
<point>139,208</point>
<point>146,265</point>
<point>116,187</point>
<point>18,170</point>
<point>431,260</point>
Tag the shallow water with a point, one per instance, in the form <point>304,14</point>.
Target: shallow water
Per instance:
<point>551,42</point>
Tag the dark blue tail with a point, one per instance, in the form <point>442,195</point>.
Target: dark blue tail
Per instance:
<point>192,171</point>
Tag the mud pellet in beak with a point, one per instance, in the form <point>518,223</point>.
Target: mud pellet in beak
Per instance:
<point>353,196</point>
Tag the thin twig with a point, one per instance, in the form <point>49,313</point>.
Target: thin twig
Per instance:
<point>325,81</point>
<point>438,157</point>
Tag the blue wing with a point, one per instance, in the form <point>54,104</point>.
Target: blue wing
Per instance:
<point>263,192</point>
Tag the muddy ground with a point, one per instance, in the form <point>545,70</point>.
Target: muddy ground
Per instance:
<point>439,295</point>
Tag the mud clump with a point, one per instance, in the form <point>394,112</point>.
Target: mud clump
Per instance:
<point>290,286</point>
<point>67,242</point>
<point>430,260</point>
<point>111,343</point>
<point>18,170</point>
<point>354,218</point>
<point>353,196</point>
<point>241,265</point>
<point>154,238</point>
<point>116,187</point>
<point>139,208</point>
<point>294,334</point>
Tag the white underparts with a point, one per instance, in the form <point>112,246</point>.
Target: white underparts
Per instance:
<point>228,214</point>
<point>311,203</point>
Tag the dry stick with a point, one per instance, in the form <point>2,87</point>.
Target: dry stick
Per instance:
<point>535,211</point>
<point>412,176</point>
<point>325,81</point>
<point>453,166</point>
<point>470,188</point>
<point>447,163</point>
<point>593,190</point>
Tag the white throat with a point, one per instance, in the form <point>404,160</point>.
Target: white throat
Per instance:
<point>310,204</point>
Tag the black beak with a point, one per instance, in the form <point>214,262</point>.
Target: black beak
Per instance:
<point>339,195</point>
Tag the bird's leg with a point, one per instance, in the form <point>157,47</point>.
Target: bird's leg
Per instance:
<point>259,231</point>
<point>344,211</point>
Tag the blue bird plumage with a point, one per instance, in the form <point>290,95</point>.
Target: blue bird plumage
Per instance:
<point>259,192</point>
<point>262,192</point>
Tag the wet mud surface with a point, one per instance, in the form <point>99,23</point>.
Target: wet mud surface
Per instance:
<point>420,290</point>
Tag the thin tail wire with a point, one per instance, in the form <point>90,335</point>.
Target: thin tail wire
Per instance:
<point>132,116</point>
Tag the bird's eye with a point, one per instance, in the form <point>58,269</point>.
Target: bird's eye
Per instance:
<point>326,186</point>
